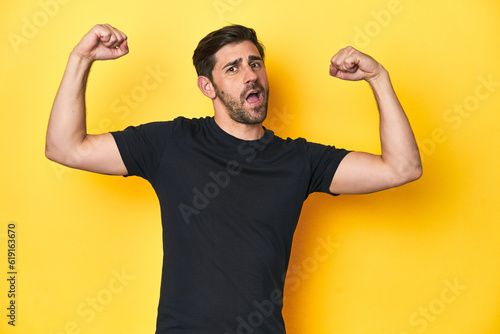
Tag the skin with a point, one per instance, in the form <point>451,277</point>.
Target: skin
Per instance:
<point>67,141</point>
<point>237,72</point>
<point>399,161</point>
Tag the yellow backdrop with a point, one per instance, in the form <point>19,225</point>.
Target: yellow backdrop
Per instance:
<point>423,258</point>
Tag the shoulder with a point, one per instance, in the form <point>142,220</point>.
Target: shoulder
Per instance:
<point>305,145</point>
<point>285,148</point>
<point>295,144</point>
<point>311,151</point>
<point>177,125</point>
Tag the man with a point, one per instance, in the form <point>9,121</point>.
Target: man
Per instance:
<point>230,191</point>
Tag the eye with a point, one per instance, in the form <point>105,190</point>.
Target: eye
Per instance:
<point>255,65</point>
<point>231,69</point>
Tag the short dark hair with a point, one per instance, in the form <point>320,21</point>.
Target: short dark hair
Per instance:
<point>204,55</point>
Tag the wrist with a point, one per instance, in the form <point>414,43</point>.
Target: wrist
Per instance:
<point>80,60</point>
<point>77,68</point>
<point>382,77</point>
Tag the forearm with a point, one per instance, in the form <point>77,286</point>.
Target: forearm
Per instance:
<point>67,123</point>
<point>398,146</point>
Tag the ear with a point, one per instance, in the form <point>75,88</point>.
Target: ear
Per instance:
<point>206,87</point>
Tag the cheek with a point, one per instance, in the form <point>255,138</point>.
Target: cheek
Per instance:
<point>263,79</point>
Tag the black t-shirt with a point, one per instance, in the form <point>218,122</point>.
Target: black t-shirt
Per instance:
<point>229,209</point>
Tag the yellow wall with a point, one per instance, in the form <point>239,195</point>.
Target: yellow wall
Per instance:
<point>423,258</point>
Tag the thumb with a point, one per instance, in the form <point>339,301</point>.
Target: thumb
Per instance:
<point>333,70</point>
<point>114,52</point>
<point>122,49</point>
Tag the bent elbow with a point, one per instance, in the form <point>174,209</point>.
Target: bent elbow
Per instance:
<point>53,153</point>
<point>418,173</point>
<point>411,174</point>
<point>49,152</point>
<point>405,176</point>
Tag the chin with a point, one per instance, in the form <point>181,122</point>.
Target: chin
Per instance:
<point>258,117</point>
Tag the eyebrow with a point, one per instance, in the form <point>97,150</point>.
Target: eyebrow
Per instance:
<point>254,58</point>
<point>239,60</point>
<point>232,63</point>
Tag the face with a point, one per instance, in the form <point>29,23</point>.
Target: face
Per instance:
<point>240,82</point>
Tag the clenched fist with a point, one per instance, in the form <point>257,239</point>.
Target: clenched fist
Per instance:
<point>102,42</point>
<point>351,64</point>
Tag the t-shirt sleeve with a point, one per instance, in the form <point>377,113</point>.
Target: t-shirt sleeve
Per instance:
<point>324,161</point>
<point>142,147</point>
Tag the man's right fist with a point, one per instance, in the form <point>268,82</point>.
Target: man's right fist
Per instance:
<point>102,42</point>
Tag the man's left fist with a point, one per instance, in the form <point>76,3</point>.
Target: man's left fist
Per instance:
<point>351,64</point>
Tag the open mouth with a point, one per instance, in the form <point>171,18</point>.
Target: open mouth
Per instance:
<point>253,97</point>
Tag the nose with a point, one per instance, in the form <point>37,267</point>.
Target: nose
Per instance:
<point>250,75</point>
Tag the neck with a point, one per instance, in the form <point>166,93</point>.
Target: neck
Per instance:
<point>239,130</point>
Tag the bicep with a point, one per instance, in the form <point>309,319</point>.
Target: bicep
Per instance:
<point>98,154</point>
<point>362,173</point>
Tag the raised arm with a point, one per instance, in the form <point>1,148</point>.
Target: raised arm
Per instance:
<point>67,141</point>
<point>399,162</point>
